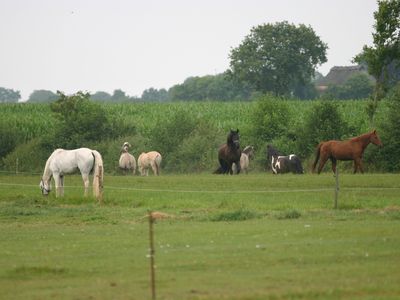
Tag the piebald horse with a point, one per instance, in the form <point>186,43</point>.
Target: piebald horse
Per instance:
<point>351,149</point>
<point>150,159</point>
<point>63,162</point>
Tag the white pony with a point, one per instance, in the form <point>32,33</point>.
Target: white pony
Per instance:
<point>63,162</point>
<point>127,161</point>
<point>145,160</point>
<point>247,154</point>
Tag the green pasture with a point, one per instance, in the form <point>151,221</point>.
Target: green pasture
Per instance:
<point>255,236</point>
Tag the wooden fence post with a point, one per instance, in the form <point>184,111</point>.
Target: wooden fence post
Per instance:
<point>335,205</point>
<point>152,253</point>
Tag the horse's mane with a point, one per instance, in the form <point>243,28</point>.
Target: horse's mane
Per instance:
<point>247,149</point>
<point>271,151</point>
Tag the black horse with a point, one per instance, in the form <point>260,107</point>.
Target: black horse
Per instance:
<point>229,153</point>
<point>283,163</point>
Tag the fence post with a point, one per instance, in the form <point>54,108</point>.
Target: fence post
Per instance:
<point>16,166</point>
<point>335,205</point>
<point>152,253</point>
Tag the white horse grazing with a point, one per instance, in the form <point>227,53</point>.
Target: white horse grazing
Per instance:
<point>127,161</point>
<point>63,162</point>
<point>247,154</point>
<point>150,159</point>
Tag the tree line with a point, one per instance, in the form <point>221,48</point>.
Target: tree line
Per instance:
<point>278,58</point>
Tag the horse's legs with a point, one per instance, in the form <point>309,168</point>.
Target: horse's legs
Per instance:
<point>57,183</point>
<point>62,185</point>
<point>333,160</point>
<point>358,164</point>
<point>238,166</point>
<point>85,178</point>
<point>322,162</point>
<point>154,166</point>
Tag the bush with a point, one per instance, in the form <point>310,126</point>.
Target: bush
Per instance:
<point>9,139</point>
<point>270,118</point>
<point>31,157</point>
<point>323,122</point>
<point>79,121</point>
<point>389,155</point>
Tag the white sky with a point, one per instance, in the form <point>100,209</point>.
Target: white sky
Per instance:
<point>103,45</point>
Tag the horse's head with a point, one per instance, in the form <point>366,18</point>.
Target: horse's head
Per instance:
<point>125,147</point>
<point>233,138</point>
<point>249,150</point>
<point>45,186</point>
<point>272,152</point>
<point>374,138</point>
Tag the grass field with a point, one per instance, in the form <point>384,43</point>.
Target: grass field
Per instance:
<point>227,237</point>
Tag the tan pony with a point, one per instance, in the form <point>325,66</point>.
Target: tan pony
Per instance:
<point>247,154</point>
<point>127,161</point>
<point>150,159</point>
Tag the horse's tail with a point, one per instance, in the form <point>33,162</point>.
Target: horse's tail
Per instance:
<point>317,153</point>
<point>98,174</point>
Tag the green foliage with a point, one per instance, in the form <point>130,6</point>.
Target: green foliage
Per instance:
<point>42,96</point>
<point>358,86</point>
<point>192,139</point>
<point>389,155</point>
<point>238,215</point>
<point>9,95</point>
<point>8,138</point>
<point>277,57</point>
<point>184,141</point>
<point>153,94</point>
<point>289,214</point>
<point>27,157</point>
<point>79,121</point>
<point>323,122</point>
<point>270,118</point>
<point>100,96</point>
<point>211,87</point>
<point>384,55</point>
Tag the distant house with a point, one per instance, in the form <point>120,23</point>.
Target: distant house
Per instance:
<point>339,76</point>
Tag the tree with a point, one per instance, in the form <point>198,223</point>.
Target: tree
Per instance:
<point>358,86</point>
<point>39,96</point>
<point>389,155</point>
<point>383,58</point>
<point>210,87</point>
<point>119,96</point>
<point>153,94</point>
<point>79,121</point>
<point>100,96</point>
<point>277,57</point>
<point>9,95</point>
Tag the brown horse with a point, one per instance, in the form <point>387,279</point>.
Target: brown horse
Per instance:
<point>351,149</point>
<point>229,153</point>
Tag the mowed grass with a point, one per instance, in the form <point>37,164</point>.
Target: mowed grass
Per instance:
<point>255,236</point>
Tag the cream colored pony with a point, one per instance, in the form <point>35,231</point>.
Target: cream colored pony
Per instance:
<point>150,159</point>
<point>127,161</point>
<point>63,162</point>
<point>247,154</point>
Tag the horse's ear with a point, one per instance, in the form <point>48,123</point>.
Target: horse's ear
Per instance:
<point>237,130</point>
<point>374,131</point>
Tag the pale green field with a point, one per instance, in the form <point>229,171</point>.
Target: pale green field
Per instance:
<point>228,237</point>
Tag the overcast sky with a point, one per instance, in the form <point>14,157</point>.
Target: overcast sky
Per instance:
<point>99,45</point>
